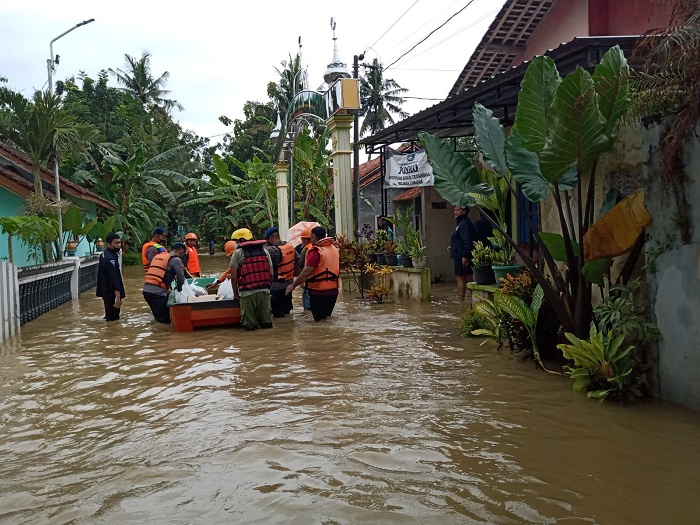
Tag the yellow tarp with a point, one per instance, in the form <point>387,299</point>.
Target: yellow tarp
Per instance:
<point>616,232</point>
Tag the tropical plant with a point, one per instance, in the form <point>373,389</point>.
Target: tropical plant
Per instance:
<point>380,99</point>
<point>381,289</point>
<point>313,193</point>
<point>73,227</point>
<point>404,224</point>
<point>482,256</point>
<point>354,260</point>
<point>390,248</point>
<point>41,129</point>
<point>35,232</point>
<point>616,314</point>
<point>495,324</point>
<point>561,128</point>
<point>471,321</point>
<point>381,237</point>
<point>138,80</point>
<point>291,81</point>
<point>603,365</point>
<point>417,249</point>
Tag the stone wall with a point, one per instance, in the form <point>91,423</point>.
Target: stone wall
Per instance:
<point>673,276</point>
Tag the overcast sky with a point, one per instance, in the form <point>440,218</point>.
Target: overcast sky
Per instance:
<point>221,54</point>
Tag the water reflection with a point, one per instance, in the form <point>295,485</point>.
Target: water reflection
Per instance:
<point>382,415</point>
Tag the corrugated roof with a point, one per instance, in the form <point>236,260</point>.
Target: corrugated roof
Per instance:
<point>408,195</point>
<point>71,188</point>
<point>503,42</point>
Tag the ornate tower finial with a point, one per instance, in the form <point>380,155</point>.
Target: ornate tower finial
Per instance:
<point>336,69</point>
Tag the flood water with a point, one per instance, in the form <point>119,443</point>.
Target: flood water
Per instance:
<point>382,415</point>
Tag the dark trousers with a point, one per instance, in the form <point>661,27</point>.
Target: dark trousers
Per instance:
<point>158,304</point>
<point>281,303</point>
<point>111,313</point>
<point>322,306</point>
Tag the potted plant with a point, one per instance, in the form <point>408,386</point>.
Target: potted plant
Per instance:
<point>503,258</point>
<point>73,225</point>
<point>380,240</point>
<point>482,258</point>
<point>418,251</point>
<point>390,253</point>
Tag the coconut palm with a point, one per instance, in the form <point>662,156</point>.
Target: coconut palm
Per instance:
<point>138,80</point>
<point>41,129</point>
<point>380,99</point>
<point>290,82</point>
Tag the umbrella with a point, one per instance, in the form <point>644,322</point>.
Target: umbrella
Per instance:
<point>295,231</point>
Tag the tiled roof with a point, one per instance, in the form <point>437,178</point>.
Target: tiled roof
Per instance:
<point>408,195</point>
<point>503,42</point>
<point>370,171</point>
<point>11,179</point>
<point>71,188</point>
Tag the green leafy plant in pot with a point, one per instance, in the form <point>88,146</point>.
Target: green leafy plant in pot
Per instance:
<point>418,251</point>
<point>482,258</point>
<point>390,253</point>
<point>73,226</point>
<point>380,240</point>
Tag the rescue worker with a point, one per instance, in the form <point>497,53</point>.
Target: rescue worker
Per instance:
<point>303,248</point>
<point>229,248</point>
<point>284,261</point>
<point>251,276</point>
<point>163,270</point>
<point>153,247</point>
<point>321,274</point>
<point>192,256</point>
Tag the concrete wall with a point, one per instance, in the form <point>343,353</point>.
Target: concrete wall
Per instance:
<point>674,283</point>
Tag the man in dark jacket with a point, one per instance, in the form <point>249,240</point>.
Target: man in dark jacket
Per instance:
<point>109,279</point>
<point>461,245</point>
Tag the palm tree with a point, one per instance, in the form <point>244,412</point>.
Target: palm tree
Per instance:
<point>41,129</point>
<point>138,81</point>
<point>289,84</point>
<point>380,99</point>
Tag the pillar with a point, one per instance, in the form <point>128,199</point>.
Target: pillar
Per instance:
<point>340,126</point>
<point>75,276</point>
<point>281,169</point>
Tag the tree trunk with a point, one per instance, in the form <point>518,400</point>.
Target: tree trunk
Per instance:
<point>38,189</point>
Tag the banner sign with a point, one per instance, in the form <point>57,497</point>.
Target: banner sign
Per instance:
<point>408,170</point>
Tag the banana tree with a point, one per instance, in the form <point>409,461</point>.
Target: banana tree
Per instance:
<point>561,128</point>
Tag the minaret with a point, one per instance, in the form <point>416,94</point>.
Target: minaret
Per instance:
<point>336,69</point>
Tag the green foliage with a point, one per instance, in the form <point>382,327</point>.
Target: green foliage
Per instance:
<point>354,260</point>
<point>131,259</point>
<point>616,315</point>
<point>495,328</point>
<point>555,244</point>
<point>472,320</point>
<point>603,366</point>
<point>73,223</point>
<point>380,99</point>
<point>595,271</point>
<point>35,232</point>
<point>482,256</point>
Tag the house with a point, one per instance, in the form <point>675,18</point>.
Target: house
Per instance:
<point>17,183</point>
<point>574,33</point>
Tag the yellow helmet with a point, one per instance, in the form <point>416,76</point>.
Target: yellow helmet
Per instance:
<point>242,233</point>
<point>229,248</point>
<point>191,236</point>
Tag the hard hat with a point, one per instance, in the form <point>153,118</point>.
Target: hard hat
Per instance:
<point>191,236</point>
<point>242,233</point>
<point>305,233</point>
<point>229,248</point>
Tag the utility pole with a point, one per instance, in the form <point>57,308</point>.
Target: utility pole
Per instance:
<point>57,184</point>
<point>356,154</point>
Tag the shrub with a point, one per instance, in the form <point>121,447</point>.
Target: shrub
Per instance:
<point>131,259</point>
<point>472,320</point>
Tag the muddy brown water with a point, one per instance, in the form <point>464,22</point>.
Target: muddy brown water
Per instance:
<point>382,415</point>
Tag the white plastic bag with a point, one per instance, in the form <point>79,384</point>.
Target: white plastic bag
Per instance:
<point>186,293</point>
<point>199,291</point>
<point>226,290</point>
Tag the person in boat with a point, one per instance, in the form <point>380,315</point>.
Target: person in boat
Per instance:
<point>229,248</point>
<point>284,261</point>
<point>163,270</point>
<point>153,247</point>
<point>192,261</point>
<point>251,276</point>
<point>321,274</point>
<point>110,285</point>
<point>303,248</point>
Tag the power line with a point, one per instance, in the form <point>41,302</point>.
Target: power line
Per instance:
<point>425,98</point>
<point>427,22</point>
<point>392,25</point>
<point>451,37</point>
<point>429,34</point>
<point>426,69</point>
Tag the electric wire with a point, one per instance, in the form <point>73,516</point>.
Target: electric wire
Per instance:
<point>392,25</point>
<point>427,22</point>
<point>488,15</point>
<point>430,34</point>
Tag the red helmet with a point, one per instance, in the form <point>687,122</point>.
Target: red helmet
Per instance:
<point>190,236</point>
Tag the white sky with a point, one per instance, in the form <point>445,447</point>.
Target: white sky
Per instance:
<point>222,53</point>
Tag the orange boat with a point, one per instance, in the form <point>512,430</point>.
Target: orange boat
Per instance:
<point>203,311</point>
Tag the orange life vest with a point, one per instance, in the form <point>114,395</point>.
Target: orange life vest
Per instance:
<point>325,275</point>
<point>145,248</point>
<point>193,261</point>
<point>254,273</point>
<point>285,269</point>
<point>157,269</point>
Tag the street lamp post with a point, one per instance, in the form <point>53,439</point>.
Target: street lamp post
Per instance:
<point>50,66</point>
